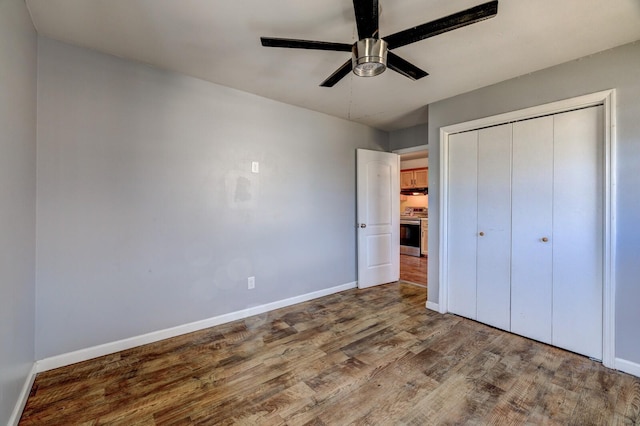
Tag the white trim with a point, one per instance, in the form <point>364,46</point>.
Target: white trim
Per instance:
<point>598,98</point>
<point>609,290</point>
<point>155,336</point>
<point>443,247</point>
<point>605,98</point>
<point>628,367</point>
<point>14,419</point>
<point>433,306</point>
<point>412,283</point>
<point>410,150</point>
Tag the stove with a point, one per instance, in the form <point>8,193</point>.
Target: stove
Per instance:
<point>416,213</point>
<point>410,230</point>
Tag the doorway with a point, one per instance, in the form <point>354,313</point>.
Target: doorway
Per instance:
<point>414,205</point>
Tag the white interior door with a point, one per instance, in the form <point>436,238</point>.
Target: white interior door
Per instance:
<point>578,231</point>
<point>378,227</point>
<point>462,225</point>
<point>531,254</point>
<point>494,227</point>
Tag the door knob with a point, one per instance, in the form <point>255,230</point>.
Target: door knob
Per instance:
<point>481,234</point>
<point>545,239</point>
<point>363,225</point>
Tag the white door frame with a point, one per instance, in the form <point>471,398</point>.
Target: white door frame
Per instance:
<point>410,150</point>
<point>605,98</point>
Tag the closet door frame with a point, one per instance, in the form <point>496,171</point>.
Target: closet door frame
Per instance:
<point>607,100</point>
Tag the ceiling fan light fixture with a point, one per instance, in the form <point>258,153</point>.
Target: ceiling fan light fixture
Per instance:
<point>369,57</point>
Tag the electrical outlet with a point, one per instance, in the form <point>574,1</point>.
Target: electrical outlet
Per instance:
<point>255,167</point>
<point>251,283</point>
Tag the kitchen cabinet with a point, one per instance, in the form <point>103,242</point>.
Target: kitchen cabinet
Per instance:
<point>414,178</point>
<point>424,236</point>
<point>525,228</point>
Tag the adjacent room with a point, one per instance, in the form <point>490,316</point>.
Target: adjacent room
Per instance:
<point>338,212</point>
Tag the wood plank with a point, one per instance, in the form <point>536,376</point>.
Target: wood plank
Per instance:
<point>413,269</point>
<point>372,356</point>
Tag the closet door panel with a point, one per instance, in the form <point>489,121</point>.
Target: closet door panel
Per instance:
<point>462,223</point>
<point>532,197</point>
<point>578,233</point>
<point>494,226</point>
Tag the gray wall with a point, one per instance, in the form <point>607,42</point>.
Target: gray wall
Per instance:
<point>617,68</point>
<point>17,200</point>
<point>148,215</point>
<point>409,137</point>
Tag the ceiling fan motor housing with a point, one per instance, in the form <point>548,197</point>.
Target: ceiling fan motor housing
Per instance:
<point>369,57</point>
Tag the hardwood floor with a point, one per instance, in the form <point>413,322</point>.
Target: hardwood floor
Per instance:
<point>413,269</point>
<point>373,356</point>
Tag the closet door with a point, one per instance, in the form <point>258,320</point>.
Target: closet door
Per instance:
<point>462,223</point>
<point>494,226</point>
<point>578,231</point>
<point>532,226</point>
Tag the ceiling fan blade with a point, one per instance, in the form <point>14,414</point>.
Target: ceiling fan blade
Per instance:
<point>366,18</point>
<point>403,67</point>
<point>305,44</point>
<point>338,75</point>
<point>442,25</point>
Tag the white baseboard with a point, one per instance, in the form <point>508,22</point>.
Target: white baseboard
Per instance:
<point>22,398</point>
<point>433,306</point>
<point>412,283</point>
<point>627,367</point>
<point>120,345</point>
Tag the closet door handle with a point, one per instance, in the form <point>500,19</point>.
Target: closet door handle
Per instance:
<point>481,234</point>
<point>545,239</point>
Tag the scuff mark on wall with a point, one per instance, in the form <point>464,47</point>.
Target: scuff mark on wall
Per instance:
<point>242,189</point>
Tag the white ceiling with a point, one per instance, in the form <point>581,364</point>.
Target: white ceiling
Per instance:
<point>219,41</point>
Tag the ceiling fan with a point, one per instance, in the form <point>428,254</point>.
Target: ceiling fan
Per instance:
<point>370,55</point>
